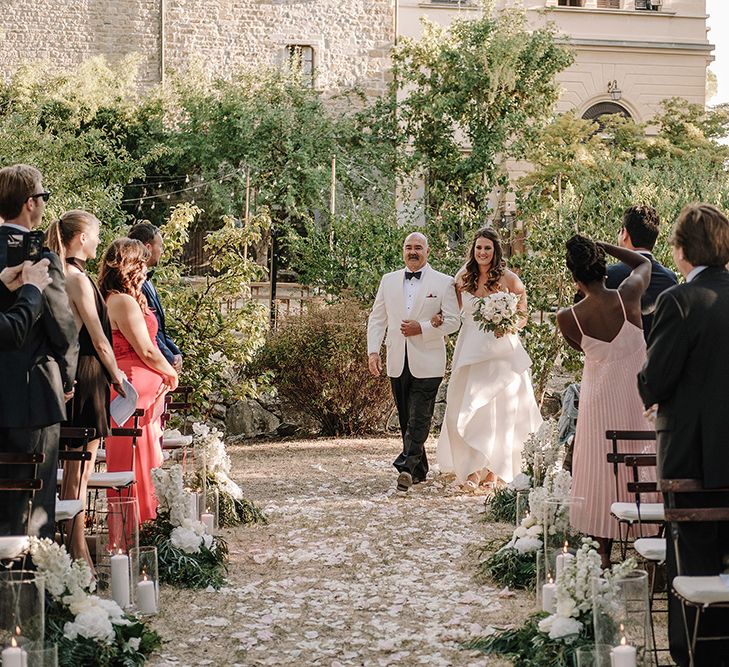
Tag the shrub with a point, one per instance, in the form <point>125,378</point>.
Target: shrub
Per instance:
<point>318,362</point>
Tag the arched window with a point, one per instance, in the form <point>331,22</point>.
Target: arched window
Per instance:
<point>603,109</point>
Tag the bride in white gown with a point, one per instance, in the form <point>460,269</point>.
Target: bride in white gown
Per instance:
<point>490,409</point>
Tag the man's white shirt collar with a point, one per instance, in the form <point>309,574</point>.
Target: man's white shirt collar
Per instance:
<point>694,272</point>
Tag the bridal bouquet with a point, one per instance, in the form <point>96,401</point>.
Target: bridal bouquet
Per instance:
<point>498,313</point>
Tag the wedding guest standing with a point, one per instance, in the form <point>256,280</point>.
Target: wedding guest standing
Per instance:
<point>152,239</point>
<point>640,233</point>
<point>133,328</point>
<point>38,377</point>
<point>29,280</point>
<point>606,326</point>
<point>490,407</point>
<point>416,355</point>
<point>686,377</point>
<point>74,237</point>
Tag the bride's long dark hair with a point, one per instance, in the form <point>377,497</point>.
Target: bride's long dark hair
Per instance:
<point>498,265</point>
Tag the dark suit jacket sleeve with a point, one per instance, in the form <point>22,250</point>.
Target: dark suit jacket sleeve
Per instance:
<point>669,345</point>
<point>59,324</point>
<point>164,348</point>
<point>616,273</point>
<point>16,322</point>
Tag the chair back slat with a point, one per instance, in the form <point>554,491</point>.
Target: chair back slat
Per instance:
<point>21,458</point>
<point>630,435</point>
<point>77,433</point>
<point>642,487</point>
<point>68,455</point>
<point>127,432</point>
<point>640,460</point>
<point>20,484</point>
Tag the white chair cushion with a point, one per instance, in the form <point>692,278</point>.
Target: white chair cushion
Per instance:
<point>101,456</point>
<point>67,509</point>
<point>702,590</point>
<point>12,546</point>
<point>176,441</point>
<point>105,480</point>
<point>629,511</point>
<point>651,548</point>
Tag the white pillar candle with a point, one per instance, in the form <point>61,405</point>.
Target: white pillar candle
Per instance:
<point>549,597</point>
<point>623,655</point>
<point>13,655</point>
<point>146,597</point>
<point>563,559</point>
<point>120,579</point>
<point>209,521</point>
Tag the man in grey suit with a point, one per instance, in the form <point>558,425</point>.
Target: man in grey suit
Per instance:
<point>38,377</point>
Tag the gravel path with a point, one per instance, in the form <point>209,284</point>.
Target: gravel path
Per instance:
<point>346,572</point>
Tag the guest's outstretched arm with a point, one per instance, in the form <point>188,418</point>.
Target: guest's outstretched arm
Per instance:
<point>640,265</point>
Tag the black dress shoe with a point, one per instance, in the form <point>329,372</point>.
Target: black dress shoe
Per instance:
<point>404,482</point>
<point>418,480</point>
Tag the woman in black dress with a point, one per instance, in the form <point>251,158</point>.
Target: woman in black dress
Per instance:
<point>75,238</point>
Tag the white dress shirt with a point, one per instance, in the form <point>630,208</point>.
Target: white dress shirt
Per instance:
<point>694,272</point>
<point>411,288</point>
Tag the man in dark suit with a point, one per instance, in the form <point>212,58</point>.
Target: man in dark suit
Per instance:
<point>37,379</point>
<point>685,376</point>
<point>29,280</point>
<point>640,232</point>
<point>150,236</point>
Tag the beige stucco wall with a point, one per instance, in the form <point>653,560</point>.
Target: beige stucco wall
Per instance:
<point>351,39</point>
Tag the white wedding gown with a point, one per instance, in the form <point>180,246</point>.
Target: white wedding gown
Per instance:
<point>490,408</point>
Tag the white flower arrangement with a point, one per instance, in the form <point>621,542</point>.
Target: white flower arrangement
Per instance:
<point>72,583</point>
<point>542,450</point>
<point>171,496</point>
<point>522,482</point>
<point>498,313</point>
<point>549,504</point>
<point>211,457</point>
<point>190,536</point>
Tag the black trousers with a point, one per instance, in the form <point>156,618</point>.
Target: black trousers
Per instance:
<point>703,548</point>
<point>14,518</point>
<point>415,400</point>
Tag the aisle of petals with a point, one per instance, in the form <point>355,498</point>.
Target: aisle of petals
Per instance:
<point>347,572</point>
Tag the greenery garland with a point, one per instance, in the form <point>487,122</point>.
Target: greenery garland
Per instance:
<point>207,567</point>
<point>232,511</point>
<point>507,566</point>
<point>501,506</point>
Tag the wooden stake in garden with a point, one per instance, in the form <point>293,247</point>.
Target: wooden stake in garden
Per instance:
<point>246,216</point>
<point>332,202</point>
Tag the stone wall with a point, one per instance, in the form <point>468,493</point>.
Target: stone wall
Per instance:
<point>351,40</point>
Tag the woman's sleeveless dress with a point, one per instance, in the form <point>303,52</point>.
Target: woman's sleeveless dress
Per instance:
<point>490,409</point>
<point>89,407</point>
<point>609,400</point>
<point>148,452</point>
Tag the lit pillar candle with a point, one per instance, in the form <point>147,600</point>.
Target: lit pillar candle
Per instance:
<point>13,655</point>
<point>120,579</point>
<point>549,597</point>
<point>146,596</point>
<point>209,520</point>
<point>563,559</point>
<point>623,655</point>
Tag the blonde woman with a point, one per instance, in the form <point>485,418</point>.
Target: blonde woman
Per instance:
<point>74,237</point>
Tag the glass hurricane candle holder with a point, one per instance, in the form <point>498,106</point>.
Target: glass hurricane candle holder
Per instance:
<point>593,655</point>
<point>556,520</point>
<point>547,576</point>
<point>522,506</point>
<point>621,616</point>
<point>22,611</point>
<point>209,513</point>
<point>145,580</point>
<point>42,654</point>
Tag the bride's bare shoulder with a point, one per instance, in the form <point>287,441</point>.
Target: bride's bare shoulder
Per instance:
<point>512,282</point>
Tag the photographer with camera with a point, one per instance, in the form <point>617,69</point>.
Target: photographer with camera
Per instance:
<point>29,280</point>
<point>37,377</point>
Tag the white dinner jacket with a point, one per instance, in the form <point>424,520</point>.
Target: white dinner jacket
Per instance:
<point>426,351</point>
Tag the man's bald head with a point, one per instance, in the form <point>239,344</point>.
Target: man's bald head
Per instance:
<point>415,251</point>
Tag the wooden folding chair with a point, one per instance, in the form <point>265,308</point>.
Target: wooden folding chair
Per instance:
<point>629,514</point>
<point>71,439</point>
<point>700,592</point>
<point>15,546</point>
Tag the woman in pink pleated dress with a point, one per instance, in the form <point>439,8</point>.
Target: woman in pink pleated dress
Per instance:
<point>606,325</point>
<point>134,328</point>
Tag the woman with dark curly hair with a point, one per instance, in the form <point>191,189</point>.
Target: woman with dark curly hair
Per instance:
<point>490,408</point>
<point>606,325</point>
<point>134,328</point>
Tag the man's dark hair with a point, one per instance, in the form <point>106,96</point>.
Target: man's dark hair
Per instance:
<point>144,232</point>
<point>641,222</point>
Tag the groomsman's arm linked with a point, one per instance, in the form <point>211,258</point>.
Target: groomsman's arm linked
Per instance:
<point>669,344</point>
<point>449,316</point>
<point>376,327</point>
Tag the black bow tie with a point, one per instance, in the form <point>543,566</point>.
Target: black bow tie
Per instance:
<point>409,275</point>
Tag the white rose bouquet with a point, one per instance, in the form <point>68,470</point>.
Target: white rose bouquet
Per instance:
<point>498,313</point>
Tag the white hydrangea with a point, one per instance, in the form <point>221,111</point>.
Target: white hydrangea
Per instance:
<point>186,540</point>
<point>527,545</point>
<point>91,624</point>
<point>521,482</point>
<point>564,627</point>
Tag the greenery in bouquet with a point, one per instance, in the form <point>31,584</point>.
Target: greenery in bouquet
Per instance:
<point>212,464</point>
<point>187,555</point>
<point>88,630</point>
<point>550,640</point>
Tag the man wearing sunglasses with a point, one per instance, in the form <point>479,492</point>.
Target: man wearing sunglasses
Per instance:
<point>37,378</point>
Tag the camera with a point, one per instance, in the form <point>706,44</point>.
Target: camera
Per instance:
<point>24,247</point>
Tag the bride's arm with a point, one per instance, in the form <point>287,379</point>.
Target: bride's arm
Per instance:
<point>517,287</point>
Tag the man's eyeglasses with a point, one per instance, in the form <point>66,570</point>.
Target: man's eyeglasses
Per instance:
<point>44,195</point>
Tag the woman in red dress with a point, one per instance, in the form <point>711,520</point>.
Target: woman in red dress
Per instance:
<point>134,328</point>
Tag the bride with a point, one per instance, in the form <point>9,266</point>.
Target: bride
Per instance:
<point>490,408</point>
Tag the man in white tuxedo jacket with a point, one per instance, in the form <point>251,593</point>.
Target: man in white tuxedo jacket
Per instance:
<point>416,353</point>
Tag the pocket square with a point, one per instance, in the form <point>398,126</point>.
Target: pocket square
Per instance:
<point>432,296</point>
